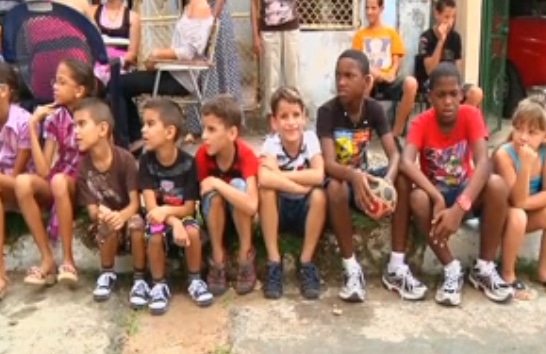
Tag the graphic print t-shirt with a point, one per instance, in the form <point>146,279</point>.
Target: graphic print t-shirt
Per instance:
<point>351,139</point>
<point>310,147</point>
<point>175,184</point>
<point>380,45</point>
<point>451,52</point>
<point>446,160</point>
<point>110,188</point>
<point>278,15</point>
<point>244,165</point>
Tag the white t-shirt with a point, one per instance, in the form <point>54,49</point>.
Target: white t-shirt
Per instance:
<point>310,148</point>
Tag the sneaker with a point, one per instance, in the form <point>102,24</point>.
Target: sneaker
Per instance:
<point>490,282</point>
<point>404,283</point>
<point>159,299</point>
<point>140,292</point>
<point>310,281</point>
<point>354,288</point>
<point>449,294</point>
<point>246,275</point>
<point>216,279</point>
<point>273,287</point>
<point>104,287</point>
<point>199,292</point>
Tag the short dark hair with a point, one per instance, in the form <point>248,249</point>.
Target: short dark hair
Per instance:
<point>445,69</point>
<point>225,108</point>
<point>288,94</point>
<point>170,113</point>
<point>359,57</point>
<point>380,3</point>
<point>98,110</point>
<point>441,5</point>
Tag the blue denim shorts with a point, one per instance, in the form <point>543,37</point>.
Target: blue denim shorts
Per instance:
<point>293,214</point>
<point>450,198</point>
<point>238,183</point>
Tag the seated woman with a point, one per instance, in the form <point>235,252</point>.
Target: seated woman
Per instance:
<point>115,20</point>
<point>188,42</point>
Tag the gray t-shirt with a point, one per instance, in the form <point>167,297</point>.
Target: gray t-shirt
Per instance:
<point>310,148</point>
<point>189,41</point>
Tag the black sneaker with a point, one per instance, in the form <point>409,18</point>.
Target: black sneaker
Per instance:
<point>273,285</point>
<point>310,281</point>
<point>104,287</point>
<point>138,297</point>
<point>159,299</point>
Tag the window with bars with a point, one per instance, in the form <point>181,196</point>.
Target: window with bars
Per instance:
<point>329,14</point>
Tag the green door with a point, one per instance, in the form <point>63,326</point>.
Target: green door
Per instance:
<point>495,25</point>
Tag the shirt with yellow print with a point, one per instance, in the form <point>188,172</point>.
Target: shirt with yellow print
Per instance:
<point>380,45</point>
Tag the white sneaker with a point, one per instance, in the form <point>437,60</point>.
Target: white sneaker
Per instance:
<point>354,288</point>
<point>404,283</point>
<point>104,287</point>
<point>490,282</point>
<point>449,294</point>
<point>159,299</point>
<point>199,292</point>
<point>138,297</point>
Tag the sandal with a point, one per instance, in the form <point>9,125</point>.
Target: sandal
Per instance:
<point>67,275</point>
<point>36,276</point>
<point>522,291</point>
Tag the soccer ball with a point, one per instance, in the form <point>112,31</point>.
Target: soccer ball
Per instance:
<point>386,199</point>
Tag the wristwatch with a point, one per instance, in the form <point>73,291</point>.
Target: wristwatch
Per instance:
<point>464,202</point>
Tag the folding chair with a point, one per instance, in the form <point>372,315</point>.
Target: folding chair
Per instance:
<point>198,70</point>
<point>38,35</point>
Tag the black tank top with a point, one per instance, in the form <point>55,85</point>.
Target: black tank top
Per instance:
<point>120,32</point>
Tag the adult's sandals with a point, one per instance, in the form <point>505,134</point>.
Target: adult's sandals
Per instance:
<point>36,276</point>
<point>67,275</point>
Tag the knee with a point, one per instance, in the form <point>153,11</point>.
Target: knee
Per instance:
<point>517,220</point>
<point>496,189</point>
<point>60,185</point>
<point>23,186</point>
<point>317,197</point>
<point>419,202</point>
<point>135,223</point>
<point>155,241</point>
<point>194,234</point>
<point>474,95</point>
<point>337,192</point>
<point>216,202</point>
<point>410,85</point>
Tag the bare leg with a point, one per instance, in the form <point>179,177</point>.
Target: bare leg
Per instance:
<point>156,257</point>
<point>340,216</point>
<point>514,235</point>
<point>409,91</point>
<point>401,216</point>
<point>243,224</point>
<point>269,221</point>
<point>474,96</point>
<point>314,224</point>
<point>216,224</point>
<point>193,251</point>
<point>63,188</point>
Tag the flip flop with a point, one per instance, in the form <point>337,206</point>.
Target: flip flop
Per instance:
<point>521,291</point>
<point>68,275</point>
<point>36,276</point>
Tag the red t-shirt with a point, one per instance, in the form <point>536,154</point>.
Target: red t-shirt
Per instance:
<point>245,164</point>
<point>446,160</point>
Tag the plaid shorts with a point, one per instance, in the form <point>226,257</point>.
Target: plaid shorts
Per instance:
<point>97,233</point>
<point>166,231</point>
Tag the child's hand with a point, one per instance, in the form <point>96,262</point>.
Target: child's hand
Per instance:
<point>103,212</point>
<point>447,222</point>
<point>208,185</point>
<point>527,155</point>
<point>114,220</point>
<point>156,215</point>
<point>180,235</point>
<point>43,111</point>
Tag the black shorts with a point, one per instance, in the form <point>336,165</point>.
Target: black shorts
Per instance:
<point>389,91</point>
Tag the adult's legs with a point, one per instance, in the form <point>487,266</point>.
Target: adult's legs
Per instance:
<point>270,67</point>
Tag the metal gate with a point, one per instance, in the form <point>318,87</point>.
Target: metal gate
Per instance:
<point>495,16</point>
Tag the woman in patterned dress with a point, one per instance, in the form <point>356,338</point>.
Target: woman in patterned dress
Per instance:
<point>225,76</point>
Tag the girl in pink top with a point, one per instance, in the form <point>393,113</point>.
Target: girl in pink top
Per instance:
<point>56,168</point>
<point>14,152</point>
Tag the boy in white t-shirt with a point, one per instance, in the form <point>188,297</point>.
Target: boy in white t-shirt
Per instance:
<point>291,195</point>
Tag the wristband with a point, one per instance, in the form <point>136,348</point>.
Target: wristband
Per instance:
<point>464,203</point>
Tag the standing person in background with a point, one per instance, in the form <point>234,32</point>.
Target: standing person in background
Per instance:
<point>275,25</point>
<point>225,76</point>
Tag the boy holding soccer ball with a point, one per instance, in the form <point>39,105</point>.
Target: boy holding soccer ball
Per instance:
<point>344,127</point>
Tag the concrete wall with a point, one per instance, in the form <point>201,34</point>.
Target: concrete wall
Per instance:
<point>469,18</point>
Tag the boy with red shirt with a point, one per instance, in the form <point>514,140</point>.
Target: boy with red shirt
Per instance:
<point>447,190</point>
<point>227,169</point>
